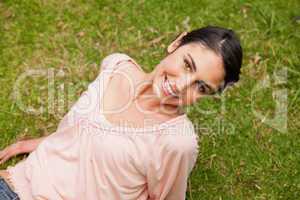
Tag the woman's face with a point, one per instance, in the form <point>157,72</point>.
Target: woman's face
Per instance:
<point>187,73</point>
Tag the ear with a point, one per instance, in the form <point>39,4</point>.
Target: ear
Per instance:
<point>174,45</point>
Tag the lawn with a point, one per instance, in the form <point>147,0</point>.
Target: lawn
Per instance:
<point>250,138</point>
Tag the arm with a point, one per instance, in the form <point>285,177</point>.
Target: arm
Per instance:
<point>20,147</point>
<point>170,167</point>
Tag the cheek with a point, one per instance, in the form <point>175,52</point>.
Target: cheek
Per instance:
<point>172,67</point>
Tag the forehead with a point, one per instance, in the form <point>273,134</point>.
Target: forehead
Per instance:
<point>209,65</point>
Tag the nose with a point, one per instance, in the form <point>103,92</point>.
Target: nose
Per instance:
<point>184,82</point>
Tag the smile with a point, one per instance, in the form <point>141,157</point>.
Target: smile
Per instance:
<point>167,88</point>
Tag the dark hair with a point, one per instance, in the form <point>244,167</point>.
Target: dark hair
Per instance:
<point>223,42</point>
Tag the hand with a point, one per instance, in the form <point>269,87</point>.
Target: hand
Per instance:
<point>10,151</point>
<point>22,146</point>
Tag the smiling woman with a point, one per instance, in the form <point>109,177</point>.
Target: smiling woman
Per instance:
<point>201,62</point>
<point>126,137</point>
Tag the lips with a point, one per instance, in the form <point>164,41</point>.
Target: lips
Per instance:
<point>168,88</point>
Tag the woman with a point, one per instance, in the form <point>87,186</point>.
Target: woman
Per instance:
<point>134,142</point>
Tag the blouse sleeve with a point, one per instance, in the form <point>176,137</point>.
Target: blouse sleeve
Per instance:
<point>88,103</point>
<point>170,167</point>
<point>111,61</point>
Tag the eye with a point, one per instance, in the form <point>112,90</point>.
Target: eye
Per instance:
<point>201,87</point>
<point>187,66</point>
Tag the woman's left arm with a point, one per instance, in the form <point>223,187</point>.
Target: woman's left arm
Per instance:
<point>170,167</point>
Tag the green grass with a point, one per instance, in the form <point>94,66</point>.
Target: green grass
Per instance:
<point>241,155</point>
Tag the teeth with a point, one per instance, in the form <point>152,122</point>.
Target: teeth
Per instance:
<point>167,86</point>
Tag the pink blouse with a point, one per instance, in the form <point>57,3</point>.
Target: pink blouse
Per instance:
<point>88,158</point>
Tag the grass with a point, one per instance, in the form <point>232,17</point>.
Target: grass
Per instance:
<point>242,155</point>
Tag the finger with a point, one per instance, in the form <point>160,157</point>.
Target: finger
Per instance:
<point>3,150</point>
<point>4,159</point>
<point>6,151</point>
<point>5,156</point>
<point>2,153</point>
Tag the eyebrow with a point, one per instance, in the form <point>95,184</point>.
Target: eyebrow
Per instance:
<point>193,62</point>
<point>195,69</point>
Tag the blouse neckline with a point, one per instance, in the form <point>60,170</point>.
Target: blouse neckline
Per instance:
<point>105,124</point>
